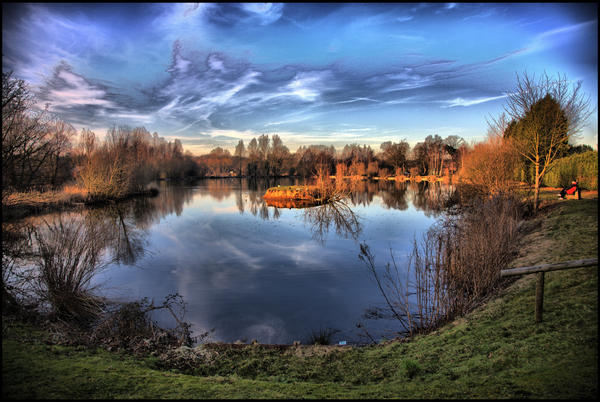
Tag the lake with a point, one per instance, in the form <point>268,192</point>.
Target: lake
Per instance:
<point>256,271</point>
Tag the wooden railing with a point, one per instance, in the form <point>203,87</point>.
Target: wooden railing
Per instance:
<point>540,269</point>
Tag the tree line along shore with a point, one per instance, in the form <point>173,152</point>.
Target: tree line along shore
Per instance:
<point>45,158</point>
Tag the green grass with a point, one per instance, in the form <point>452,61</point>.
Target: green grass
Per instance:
<point>495,352</point>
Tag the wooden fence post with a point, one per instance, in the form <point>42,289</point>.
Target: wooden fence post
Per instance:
<point>540,269</point>
<point>539,297</point>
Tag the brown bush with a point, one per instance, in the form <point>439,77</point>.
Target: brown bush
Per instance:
<point>68,255</point>
<point>453,268</point>
<point>130,327</point>
<point>490,166</point>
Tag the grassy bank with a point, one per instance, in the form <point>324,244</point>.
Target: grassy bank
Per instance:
<point>495,352</point>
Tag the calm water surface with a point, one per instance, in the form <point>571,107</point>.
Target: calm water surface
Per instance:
<point>254,271</point>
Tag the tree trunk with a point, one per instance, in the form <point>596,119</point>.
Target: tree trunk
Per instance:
<point>55,173</point>
<point>536,195</point>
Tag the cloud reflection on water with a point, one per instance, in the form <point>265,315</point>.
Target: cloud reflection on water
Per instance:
<point>252,271</point>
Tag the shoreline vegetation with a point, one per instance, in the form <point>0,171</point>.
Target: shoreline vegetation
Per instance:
<point>328,188</point>
<point>19,205</point>
<point>494,351</point>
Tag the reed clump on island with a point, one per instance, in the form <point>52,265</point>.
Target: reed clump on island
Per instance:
<point>324,190</point>
<point>302,196</point>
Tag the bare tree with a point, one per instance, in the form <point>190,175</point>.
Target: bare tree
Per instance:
<point>395,154</point>
<point>541,117</point>
<point>239,152</point>
<point>60,137</point>
<point>25,145</point>
<point>277,154</point>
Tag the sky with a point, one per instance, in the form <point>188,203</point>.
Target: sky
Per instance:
<point>211,74</point>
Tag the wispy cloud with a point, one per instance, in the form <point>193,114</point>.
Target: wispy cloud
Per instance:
<point>361,99</point>
<point>446,7</point>
<point>75,98</point>
<point>288,121</point>
<point>470,102</point>
<point>555,36</point>
<point>265,13</point>
<point>405,18</point>
<point>307,85</point>
<point>406,79</point>
<point>217,72</point>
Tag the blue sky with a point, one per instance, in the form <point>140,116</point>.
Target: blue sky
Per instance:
<point>334,74</point>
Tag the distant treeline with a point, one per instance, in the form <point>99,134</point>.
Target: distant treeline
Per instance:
<point>41,151</point>
<point>265,157</point>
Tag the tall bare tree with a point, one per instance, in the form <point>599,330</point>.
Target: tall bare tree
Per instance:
<point>541,117</point>
<point>25,141</point>
<point>239,153</point>
<point>277,155</point>
<point>61,134</point>
<point>394,154</point>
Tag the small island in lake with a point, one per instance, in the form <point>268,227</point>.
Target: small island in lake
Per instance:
<point>293,196</point>
<point>290,193</point>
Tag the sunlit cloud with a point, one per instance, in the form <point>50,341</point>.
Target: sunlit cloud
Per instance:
<point>66,90</point>
<point>134,118</point>
<point>288,121</point>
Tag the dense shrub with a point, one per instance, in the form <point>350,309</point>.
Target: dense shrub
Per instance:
<point>581,167</point>
<point>490,166</point>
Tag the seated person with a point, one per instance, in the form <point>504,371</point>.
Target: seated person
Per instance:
<point>570,190</point>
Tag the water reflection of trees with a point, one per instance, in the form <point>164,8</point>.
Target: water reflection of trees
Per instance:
<point>359,193</point>
<point>431,198</point>
<point>122,238</point>
<point>249,196</point>
<point>394,195</point>
<point>48,266</point>
<point>170,199</point>
<point>337,214</point>
<point>16,250</point>
<point>51,261</point>
<point>49,252</point>
<point>220,189</point>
